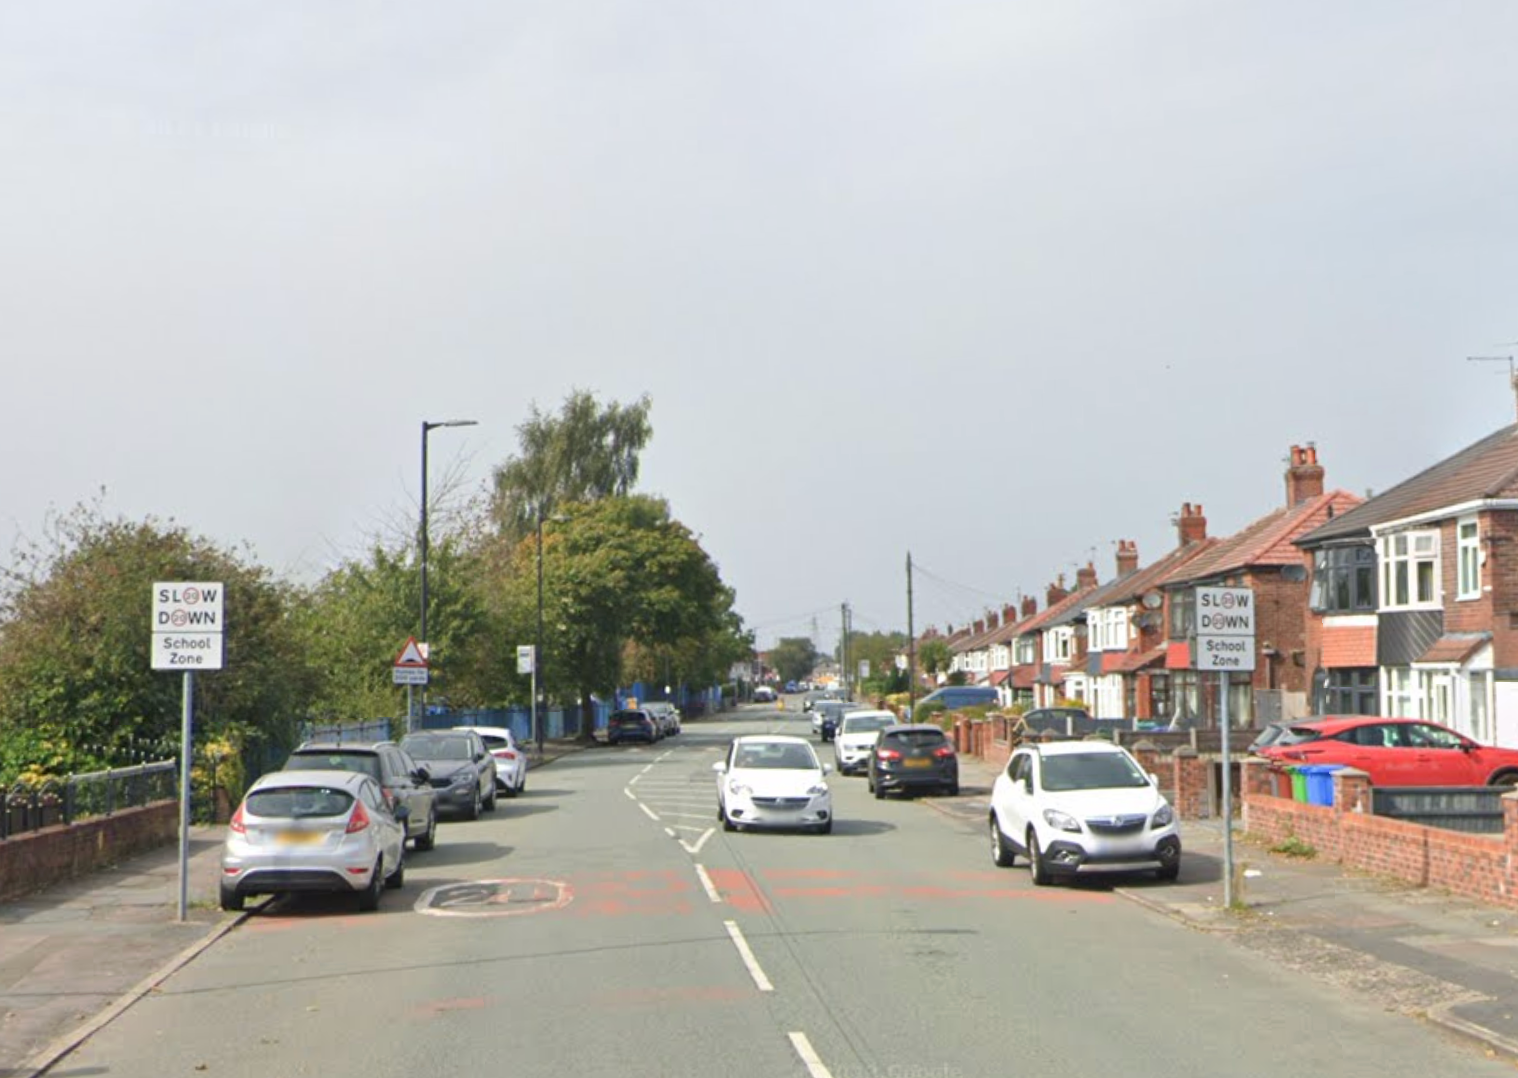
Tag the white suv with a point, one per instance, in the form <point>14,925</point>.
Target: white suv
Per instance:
<point>1078,807</point>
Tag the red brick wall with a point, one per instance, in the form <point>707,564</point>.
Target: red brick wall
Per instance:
<point>32,861</point>
<point>1499,535</point>
<point>1280,606</point>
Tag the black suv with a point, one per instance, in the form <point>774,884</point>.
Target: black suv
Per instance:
<point>913,757</point>
<point>463,771</point>
<point>402,780</point>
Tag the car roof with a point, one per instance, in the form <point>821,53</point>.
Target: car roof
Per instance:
<point>771,739</point>
<point>871,713</point>
<point>340,746</point>
<point>281,779</point>
<point>907,727</point>
<point>1328,725</point>
<point>1072,748</point>
<point>494,731</point>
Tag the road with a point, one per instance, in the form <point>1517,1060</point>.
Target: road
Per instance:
<point>604,924</point>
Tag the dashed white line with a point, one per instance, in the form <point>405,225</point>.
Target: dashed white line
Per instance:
<point>650,813</point>
<point>707,885</point>
<point>630,795</point>
<point>760,980</point>
<point>699,842</point>
<point>814,1065</point>
<point>689,815</point>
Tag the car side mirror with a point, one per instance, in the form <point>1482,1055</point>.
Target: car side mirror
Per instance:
<point>401,813</point>
<point>421,774</point>
<point>720,767</point>
<point>479,757</point>
<point>827,769</point>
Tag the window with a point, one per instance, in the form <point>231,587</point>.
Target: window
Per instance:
<point>1057,644</point>
<point>1109,629</point>
<point>1468,552</point>
<point>1409,570</point>
<point>1026,651</point>
<point>1347,692</point>
<point>1477,695</point>
<point>1182,613</point>
<point>1344,580</point>
<point>1397,692</point>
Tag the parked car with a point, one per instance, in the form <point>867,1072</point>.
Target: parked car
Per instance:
<point>1397,752</point>
<point>1062,720</point>
<point>909,757</point>
<point>665,714</point>
<point>1079,807</point>
<point>763,694</point>
<point>629,725</point>
<point>302,831</point>
<point>770,780</point>
<point>827,714</point>
<point>510,758</point>
<point>401,779</point>
<point>855,739</point>
<point>1276,733</point>
<point>953,696</point>
<point>463,773</point>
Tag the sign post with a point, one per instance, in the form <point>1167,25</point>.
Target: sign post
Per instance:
<point>1225,642</point>
<point>187,636</point>
<point>410,669</point>
<point>527,663</point>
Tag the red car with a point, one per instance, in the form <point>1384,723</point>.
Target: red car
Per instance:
<point>1398,752</point>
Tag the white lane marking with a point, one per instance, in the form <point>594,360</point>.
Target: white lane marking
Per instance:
<point>688,827</point>
<point>649,767</point>
<point>667,754</point>
<point>707,885</point>
<point>760,980</point>
<point>669,832</point>
<point>688,815</point>
<point>814,1065</point>
<point>630,795</point>
<point>699,842</point>
<point>650,813</point>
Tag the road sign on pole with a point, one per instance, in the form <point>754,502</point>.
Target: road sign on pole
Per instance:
<point>526,660</point>
<point>187,625</point>
<point>1224,629</point>
<point>410,665</point>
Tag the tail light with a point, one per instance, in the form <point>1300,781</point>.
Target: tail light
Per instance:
<point>236,824</point>
<point>943,752</point>
<point>887,754</point>
<point>504,754</point>
<point>360,818</point>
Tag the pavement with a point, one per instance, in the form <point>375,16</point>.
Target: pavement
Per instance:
<point>74,956</point>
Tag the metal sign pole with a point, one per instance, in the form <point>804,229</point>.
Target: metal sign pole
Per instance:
<point>184,795</point>
<point>1223,679</point>
<point>537,723</point>
<point>410,708</point>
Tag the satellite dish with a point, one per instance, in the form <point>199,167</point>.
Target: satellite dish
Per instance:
<point>1153,600</point>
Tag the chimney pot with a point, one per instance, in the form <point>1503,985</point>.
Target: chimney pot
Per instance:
<point>1304,479</point>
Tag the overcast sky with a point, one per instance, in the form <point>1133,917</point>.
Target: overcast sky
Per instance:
<point>997,283</point>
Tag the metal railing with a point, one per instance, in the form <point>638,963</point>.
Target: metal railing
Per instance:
<point>26,808</point>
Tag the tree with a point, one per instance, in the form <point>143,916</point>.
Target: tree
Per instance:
<point>584,453</point>
<point>934,657</point>
<point>76,688</point>
<point>793,658</point>
<point>880,649</point>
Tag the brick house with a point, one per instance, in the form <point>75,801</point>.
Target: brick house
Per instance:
<point>1261,556</point>
<point>1003,649</point>
<point>1125,634</point>
<point>1039,660</point>
<point>972,654</point>
<point>1413,608</point>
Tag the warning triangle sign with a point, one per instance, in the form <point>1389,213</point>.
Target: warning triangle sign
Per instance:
<point>411,656</point>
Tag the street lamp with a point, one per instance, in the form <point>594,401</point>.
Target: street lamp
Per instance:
<point>537,649</point>
<point>422,539</point>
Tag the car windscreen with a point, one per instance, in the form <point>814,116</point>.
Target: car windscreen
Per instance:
<point>776,757</point>
<point>438,748</point>
<point>1091,771</point>
<point>299,802</point>
<point>917,739</point>
<point>495,741</point>
<point>365,763</point>
<point>862,724</point>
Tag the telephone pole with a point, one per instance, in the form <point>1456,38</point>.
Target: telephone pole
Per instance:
<point>911,646</point>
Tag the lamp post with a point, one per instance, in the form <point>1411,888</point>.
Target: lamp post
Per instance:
<point>428,427</point>
<point>537,650</point>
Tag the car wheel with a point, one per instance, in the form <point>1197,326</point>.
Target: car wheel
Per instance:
<point>474,807</point>
<point>368,898</point>
<point>428,839</point>
<point>878,790</point>
<point>952,789</point>
<point>231,901</point>
<point>727,823</point>
<point>490,800</point>
<point>1168,874</point>
<point>522,786</point>
<point>397,879</point>
<point>1001,851</point>
<point>1036,867</point>
<point>1504,778</point>
<point>825,828</point>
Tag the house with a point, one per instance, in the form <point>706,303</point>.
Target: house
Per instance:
<point>1125,632</point>
<point>1039,659</point>
<point>1262,557</point>
<point>1413,608</point>
<point>1002,648</point>
<point>972,653</point>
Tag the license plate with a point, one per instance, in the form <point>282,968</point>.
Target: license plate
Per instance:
<point>299,838</point>
<point>917,762</point>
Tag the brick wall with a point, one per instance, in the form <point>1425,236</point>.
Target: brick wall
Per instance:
<point>1499,535</point>
<point>1280,606</point>
<point>32,861</point>
<point>1475,866</point>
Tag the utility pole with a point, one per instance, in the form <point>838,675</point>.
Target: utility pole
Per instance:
<point>843,649</point>
<point>1512,370</point>
<point>911,646</point>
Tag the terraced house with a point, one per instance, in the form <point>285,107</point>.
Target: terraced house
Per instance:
<point>1414,604</point>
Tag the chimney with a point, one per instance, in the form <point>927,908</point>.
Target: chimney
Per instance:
<point>1192,524</point>
<point>1030,606</point>
<point>993,619</point>
<point>1085,577</point>
<point>1127,557</point>
<point>980,627</point>
<point>1304,479</point>
<point>1009,614</point>
<point>1056,591</point>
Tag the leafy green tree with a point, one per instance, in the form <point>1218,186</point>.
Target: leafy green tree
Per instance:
<point>934,656</point>
<point>76,689</point>
<point>793,658</point>
<point>880,649</point>
<point>586,452</point>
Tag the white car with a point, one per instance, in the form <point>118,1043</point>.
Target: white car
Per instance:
<point>855,739</point>
<point>510,757</point>
<point>769,780</point>
<point>301,831</point>
<point>764,695</point>
<point>1079,807</point>
<point>665,714</point>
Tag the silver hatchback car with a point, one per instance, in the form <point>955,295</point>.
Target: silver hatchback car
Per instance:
<point>304,831</point>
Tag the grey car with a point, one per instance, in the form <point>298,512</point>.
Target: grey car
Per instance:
<point>461,768</point>
<point>401,779</point>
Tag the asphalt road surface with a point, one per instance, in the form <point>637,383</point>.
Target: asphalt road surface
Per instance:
<point>605,924</point>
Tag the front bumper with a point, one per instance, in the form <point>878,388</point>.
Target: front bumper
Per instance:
<point>852,758</point>
<point>455,798</point>
<point>1092,854</point>
<point>912,778</point>
<point>779,812</point>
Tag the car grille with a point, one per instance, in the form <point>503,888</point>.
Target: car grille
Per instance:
<point>1116,825</point>
<point>782,802</point>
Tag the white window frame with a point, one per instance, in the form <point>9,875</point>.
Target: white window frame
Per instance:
<point>1399,695</point>
<point>1058,644</point>
<point>1468,558</point>
<point>1400,554</point>
<point>1028,647</point>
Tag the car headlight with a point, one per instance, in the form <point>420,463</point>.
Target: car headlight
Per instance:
<point>737,789</point>
<point>818,790</point>
<point>1061,821</point>
<point>463,778</point>
<point>1164,817</point>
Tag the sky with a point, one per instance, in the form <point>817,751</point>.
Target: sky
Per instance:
<point>996,283</point>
